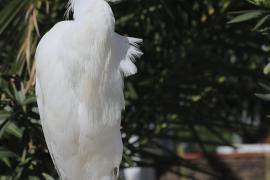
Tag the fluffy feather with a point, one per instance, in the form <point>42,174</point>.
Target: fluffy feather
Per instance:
<point>80,68</point>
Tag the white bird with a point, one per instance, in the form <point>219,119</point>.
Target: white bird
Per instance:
<point>80,66</point>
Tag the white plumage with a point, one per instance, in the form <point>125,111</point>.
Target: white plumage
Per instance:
<point>79,85</point>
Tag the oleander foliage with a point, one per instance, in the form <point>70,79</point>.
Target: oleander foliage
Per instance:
<point>258,16</point>
<point>194,91</point>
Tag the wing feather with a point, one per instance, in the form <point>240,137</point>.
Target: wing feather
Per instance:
<point>127,50</point>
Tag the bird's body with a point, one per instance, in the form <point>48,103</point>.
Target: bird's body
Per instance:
<point>79,85</point>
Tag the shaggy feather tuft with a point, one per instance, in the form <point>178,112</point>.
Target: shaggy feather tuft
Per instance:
<point>127,65</point>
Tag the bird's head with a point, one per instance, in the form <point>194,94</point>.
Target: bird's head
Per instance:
<point>81,7</point>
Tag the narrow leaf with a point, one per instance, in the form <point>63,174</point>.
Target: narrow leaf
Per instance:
<point>246,16</point>
<point>265,97</point>
<point>260,22</point>
<point>264,86</point>
<point>47,176</point>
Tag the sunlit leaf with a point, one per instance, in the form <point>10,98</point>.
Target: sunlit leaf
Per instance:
<point>14,130</point>
<point>265,97</point>
<point>261,22</point>
<point>6,154</point>
<point>47,176</point>
<point>4,126</point>
<point>29,100</point>
<point>9,12</point>
<point>266,70</point>
<point>4,115</point>
<point>265,86</point>
<point>247,16</point>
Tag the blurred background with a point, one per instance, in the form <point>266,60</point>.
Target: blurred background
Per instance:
<point>197,109</point>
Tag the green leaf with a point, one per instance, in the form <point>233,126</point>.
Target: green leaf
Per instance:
<point>29,100</point>
<point>4,126</point>
<point>266,70</point>
<point>261,3</point>
<point>4,115</point>
<point>265,97</point>
<point>247,16</point>
<point>14,130</point>
<point>3,84</point>
<point>128,160</point>
<point>6,153</point>
<point>260,22</point>
<point>264,86</point>
<point>7,162</point>
<point>6,178</point>
<point>132,92</point>
<point>9,13</point>
<point>19,96</point>
<point>34,178</point>
<point>255,2</point>
<point>47,176</point>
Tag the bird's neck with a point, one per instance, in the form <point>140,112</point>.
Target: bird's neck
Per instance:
<point>92,18</point>
<point>83,8</point>
<point>93,12</point>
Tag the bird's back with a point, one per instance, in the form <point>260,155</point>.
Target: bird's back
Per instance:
<point>74,108</point>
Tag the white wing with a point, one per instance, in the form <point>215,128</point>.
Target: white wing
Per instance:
<point>55,106</point>
<point>76,103</point>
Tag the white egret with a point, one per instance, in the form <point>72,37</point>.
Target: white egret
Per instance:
<point>80,66</point>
